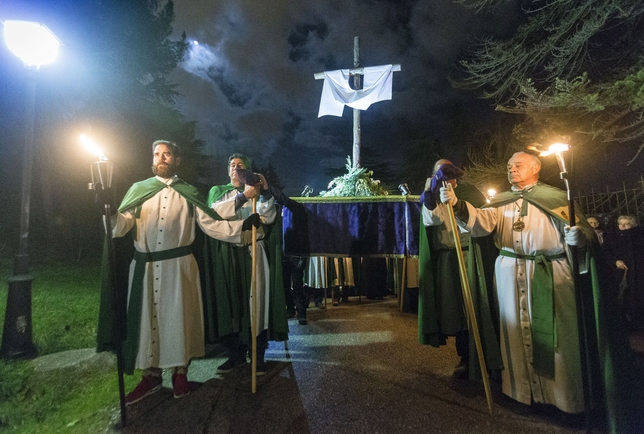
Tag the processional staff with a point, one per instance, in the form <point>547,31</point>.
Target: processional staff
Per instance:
<point>469,304</point>
<point>248,177</point>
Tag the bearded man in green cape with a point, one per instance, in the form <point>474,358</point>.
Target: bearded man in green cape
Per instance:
<point>164,320</point>
<point>230,299</point>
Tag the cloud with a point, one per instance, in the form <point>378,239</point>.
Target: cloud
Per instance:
<point>249,81</point>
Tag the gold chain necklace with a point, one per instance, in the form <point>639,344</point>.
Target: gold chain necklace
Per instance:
<point>518,225</point>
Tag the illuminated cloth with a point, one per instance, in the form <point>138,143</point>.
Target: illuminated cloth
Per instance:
<point>336,92</point>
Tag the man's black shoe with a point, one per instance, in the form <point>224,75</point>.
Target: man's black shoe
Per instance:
<point>461,371</point>
<point>230,364</point>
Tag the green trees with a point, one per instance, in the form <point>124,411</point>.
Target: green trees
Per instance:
<point>111,82</point>
<point>573,69</point>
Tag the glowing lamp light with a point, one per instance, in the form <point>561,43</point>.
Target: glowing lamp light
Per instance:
<point>102,170</point>
<point>92,147</point>
<point>32,42</point>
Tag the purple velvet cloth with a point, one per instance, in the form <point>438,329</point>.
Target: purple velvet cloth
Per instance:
<point>444,173</point>
<point>387,227</point>
<point>247,177</point>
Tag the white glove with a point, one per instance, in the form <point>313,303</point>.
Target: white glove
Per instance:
<point>448,195</point>
<point>574,236</point>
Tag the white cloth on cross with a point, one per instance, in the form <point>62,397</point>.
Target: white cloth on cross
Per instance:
<point>336,92</point>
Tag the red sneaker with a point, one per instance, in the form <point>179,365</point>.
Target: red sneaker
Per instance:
<point>180,385</point>
<point>148,385</point>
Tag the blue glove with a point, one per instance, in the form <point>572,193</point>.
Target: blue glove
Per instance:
<point>427,199</point>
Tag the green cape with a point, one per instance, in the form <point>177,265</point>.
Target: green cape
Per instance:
<point>228,300</point>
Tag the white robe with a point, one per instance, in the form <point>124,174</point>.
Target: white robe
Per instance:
<point>267,211</point>
<point>317,274</point>
<point>171,329</point>
<point>513,281</point>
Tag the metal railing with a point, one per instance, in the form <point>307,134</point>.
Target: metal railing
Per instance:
<point>610,204</point>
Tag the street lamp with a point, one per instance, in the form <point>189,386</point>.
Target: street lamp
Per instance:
<point>35,45</point>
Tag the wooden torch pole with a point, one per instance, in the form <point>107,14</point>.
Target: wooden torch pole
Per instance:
<point>469,305</point>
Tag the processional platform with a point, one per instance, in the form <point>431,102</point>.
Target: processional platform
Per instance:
<point>372,226</point>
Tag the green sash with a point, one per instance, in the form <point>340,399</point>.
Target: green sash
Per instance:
<point>543,318</point>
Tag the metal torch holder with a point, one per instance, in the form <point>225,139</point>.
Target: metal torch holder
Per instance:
<point>102,176</point>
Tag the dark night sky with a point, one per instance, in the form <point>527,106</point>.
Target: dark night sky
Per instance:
<point>249,80</point>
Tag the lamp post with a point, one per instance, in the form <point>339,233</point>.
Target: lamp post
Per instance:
<point>35,45</point>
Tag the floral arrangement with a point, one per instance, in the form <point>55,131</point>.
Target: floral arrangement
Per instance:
<point>357,182</point>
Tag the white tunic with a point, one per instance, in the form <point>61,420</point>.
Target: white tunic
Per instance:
<point>513,280</point>
<point>317,274</point>
<point>172,329</point>
<point>267,211</point>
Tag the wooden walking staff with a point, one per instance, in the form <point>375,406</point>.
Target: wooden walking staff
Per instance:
<point>248,177</point>
<point>469,305</point>
<point>255,306</point>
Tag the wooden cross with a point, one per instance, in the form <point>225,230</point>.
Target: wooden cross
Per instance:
<point>357,73</point>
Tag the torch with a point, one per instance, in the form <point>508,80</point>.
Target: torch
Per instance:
<point>558,149</point>
<point>102,174</point>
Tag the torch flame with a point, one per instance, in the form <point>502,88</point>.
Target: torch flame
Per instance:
<point>91,146</point>
<point>554,149</point>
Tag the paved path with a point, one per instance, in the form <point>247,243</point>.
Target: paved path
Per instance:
<point>356,368</point>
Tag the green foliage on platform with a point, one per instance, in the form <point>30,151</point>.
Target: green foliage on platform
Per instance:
<point>357,182</point>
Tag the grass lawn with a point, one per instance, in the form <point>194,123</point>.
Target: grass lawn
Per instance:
<point>65,298</point>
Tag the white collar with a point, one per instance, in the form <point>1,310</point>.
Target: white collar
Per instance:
<point>168,181</point>
<point>527,187</point>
